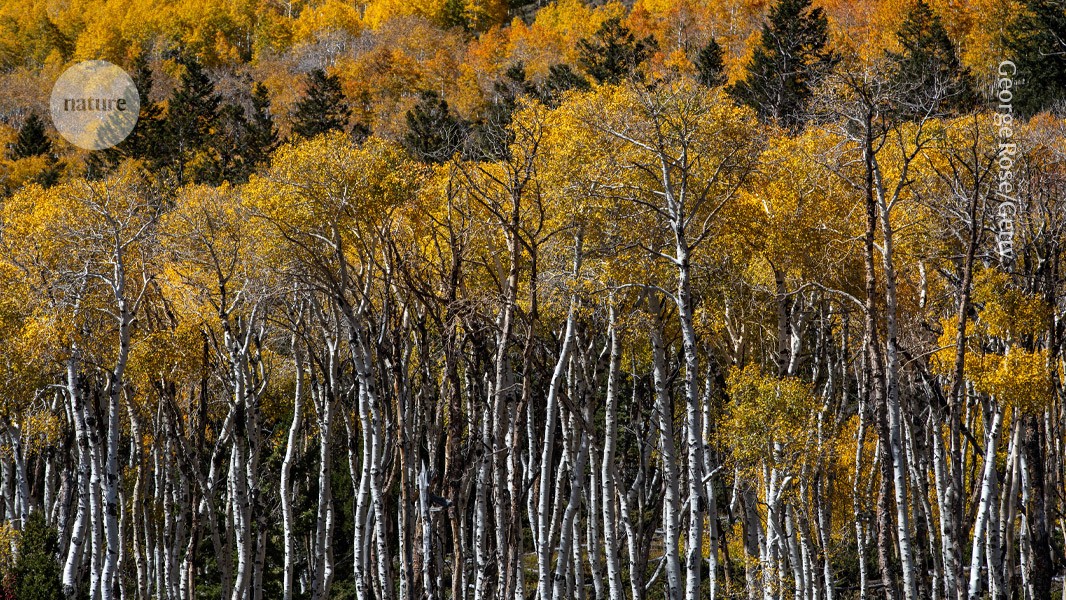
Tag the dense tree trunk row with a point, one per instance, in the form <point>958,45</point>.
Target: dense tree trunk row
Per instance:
<point>548,378</point>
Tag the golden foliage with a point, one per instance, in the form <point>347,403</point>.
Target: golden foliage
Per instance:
<point>770,419</point>
<point>1000,360</point>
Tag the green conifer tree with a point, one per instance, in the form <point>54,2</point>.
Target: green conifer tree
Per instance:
<point>927,69</point>
<point>710,69</point>
<point>789,58</point>
<point>434,134</point>
<point>144,142</point>
<point>147,140</point>
<point>261,134</point>
<point>1036,42</point>
<point>247,137</point>
<point>613,52</point>
<point>191,139</point>
<point>454,14</point>
<point>491,136</point>
<point>32,139</point>
<point>561,79</point>
<point>323,108</point>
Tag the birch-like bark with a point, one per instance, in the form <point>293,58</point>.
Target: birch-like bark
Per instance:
<point>372,420</point>
<point>545,589</point>
<point>81,518</point>
<point>709,473</point>
<point>114,394</point>
<point>481,517</point>
<point>609,492</point>
<point>324,518</point>
<point>21,484</point>
<point>359,471</point>
<point>566,534</point>
<point>428,584</point>
<point>672,496</point>
<point>857,502</point>
<point>286,493</point>
<point>984,507</point>
<point>693,417</point>
<point>891,375</point>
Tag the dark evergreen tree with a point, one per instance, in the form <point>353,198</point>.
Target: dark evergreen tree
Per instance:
<point>44,37</point>
<point>191,138</point>
<point>434,134</point>
<point>253,135</point>
<point>32,139</point>
<point>613,52</point>
<point>1036,43</point>
<point>145,141</point>
<point>561,79</point>
<point>323,108</point>
<point>790,56</point>
<point>37,569</point>
<point>513,84</point>
<point>229,148</point>
<point>928,71</point>
<point>262,133</point>
<point>362,112</point>
<point>491,138</point>
<point>360,131</point>
<point>710,70</point>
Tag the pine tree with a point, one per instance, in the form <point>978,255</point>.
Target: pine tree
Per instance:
<point>32,139</point>
<point>790,56</point>
<point>491,136</point>
<point>260,136</point>
<point>191,137</point>
<point>613,52</point>
<point>247,138</point>
<point>1036,43</point>
<point>710,70</point>
<point>37,570</point>
<point>147,140</point>
<point>434,134</point>
<point>144,142</point>
<point>323,108</point>
<point>928,66</point>
<point>561,79</point>
<point>229,148</point>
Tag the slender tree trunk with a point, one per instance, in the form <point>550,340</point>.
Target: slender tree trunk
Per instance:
<point>608,469</point>
<point>81,518</point>
<point>984,508</point>
<point>286,491</point>
<point>672,499</point>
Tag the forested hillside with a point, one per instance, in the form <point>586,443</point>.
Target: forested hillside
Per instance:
<point>457,299</point>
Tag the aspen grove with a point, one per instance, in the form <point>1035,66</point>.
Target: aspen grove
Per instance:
<point>673,299</point>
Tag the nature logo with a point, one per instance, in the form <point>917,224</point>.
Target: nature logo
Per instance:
<point>94,104</point>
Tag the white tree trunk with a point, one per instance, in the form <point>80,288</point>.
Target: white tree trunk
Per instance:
<point>609,492</point>
<point>286,493</point>
<point>984,507</point>
<point>672,500</point>
<point>545,590</point>
<point>81,517</point>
